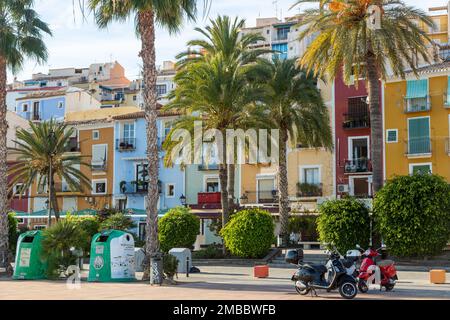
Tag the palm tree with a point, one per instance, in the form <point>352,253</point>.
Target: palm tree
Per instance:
<point>347,42</point>
<point>293,104</point>
<point>170,15</point>
<point>221,38</point>
<point>41,156</point>
<point>21,33</point>
<point>217,94</point>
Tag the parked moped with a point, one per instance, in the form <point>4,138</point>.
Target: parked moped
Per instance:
<point>371,271</point>
<point>332,276</point>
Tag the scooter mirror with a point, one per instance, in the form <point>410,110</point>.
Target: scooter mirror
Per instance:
<point>383,246</point>
<point>358,246</point>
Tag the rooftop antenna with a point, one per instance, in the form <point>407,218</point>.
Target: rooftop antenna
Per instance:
<point>275,4</point>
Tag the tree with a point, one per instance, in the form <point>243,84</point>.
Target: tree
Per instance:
<point>41,156</point>
<point>346,43</point>
<point>344,223</point>
<point>412,214</point>
<point>170,15</point>
<point>21,33</point>
<point>178,229</point>
<point>292,103</point>
<point>212,87</point>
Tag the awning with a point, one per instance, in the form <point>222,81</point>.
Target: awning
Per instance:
<point>207,213</point>
<point>416,89</point>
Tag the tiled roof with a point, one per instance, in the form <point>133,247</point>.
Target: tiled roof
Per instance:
<point>44,94</point>
<point>141,114</point>
<point>98,115</point>
<point>432,68</point>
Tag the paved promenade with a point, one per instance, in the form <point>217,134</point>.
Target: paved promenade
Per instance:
<point>219,283</point>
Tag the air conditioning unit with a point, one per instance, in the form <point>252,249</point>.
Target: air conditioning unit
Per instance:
<point>342,188</point>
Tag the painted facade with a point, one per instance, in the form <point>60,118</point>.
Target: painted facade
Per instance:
<point>42,106</point>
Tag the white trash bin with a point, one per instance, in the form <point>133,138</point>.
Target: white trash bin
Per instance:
<point>184,257</point>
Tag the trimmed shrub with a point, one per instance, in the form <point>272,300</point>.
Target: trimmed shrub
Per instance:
<point>56,244</point>
<point>210,252</point>
<point>344,223</point>
<point>413,215</point>
<point>178,229</point>
<point>249,233</point>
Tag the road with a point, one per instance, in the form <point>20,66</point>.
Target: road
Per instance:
<point>214,283</point>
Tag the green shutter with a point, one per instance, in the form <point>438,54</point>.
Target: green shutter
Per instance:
<point>391,135</point>
<point>419,136</point>
<point>416,89</point>
<point>447,102</point>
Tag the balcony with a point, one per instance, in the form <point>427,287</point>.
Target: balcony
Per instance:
<point>126,144</point>
<point>63,187</point>
<point>417,105</point>
<point>134,187</point>
<point>208,200</point>
<point>418,147</point>
<point>261,197</point>
<point>98,166</point>
<point>356,120</point>
<point>361,165</point>
<point>309,190</point>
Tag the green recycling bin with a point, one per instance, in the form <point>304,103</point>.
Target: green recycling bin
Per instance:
<point>112,257</point>
<point>29,265</point>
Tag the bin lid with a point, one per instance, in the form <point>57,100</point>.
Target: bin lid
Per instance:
<point>179,250</point>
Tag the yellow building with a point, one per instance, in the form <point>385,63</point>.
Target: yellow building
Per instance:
<point>416,122</point>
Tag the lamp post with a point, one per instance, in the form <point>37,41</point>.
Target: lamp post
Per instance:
<point>51,137</point>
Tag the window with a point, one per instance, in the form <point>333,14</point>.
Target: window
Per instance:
<point>99,156</point>
<point>142,230</point>
<point>357,115</point>
<point>25,107</point>
<point>134,98</point>
<point>60,105</point>
<point>95,134</point>
<point>310,175</point>
<point>161,89</point>
<point>17,188</point>
<point>419,136</point>
<point>128,133</point>
<point>266,190</point>
<point>142,177</point>
<point>420,168</point>
<point>417,98</point>
<point>283,51</point>
<point>282,33</point>
<point>99,186</point>
<point>392,135</point>
<point>212,184</point>
<point>170,190</point>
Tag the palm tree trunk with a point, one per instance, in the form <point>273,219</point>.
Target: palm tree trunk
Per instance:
<point>147,33</point>
<point>223,178</point>
<point>231,179</point>
<point>373,88</point>
<point>4,245</point>
<point>283,188</point>
<point>54,199</point>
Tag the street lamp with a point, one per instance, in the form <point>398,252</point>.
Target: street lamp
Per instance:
<point>183,200</point>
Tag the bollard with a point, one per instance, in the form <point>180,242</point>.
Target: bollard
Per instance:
<point>187,267</point>
<point>437,276</point>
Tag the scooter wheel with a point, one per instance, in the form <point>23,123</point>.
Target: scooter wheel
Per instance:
<point>362,286</point>
<point>348,290</point>
<point>303,292</point>
<point>389,287</point>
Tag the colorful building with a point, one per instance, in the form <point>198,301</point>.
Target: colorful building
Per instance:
<point>416,122</point>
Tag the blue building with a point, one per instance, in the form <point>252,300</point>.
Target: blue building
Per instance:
<point>42,105</point>
<point>130,164</point>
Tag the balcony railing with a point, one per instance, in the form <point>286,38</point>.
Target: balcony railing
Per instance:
<point>305,189</point>
<point>418,146</point>
<point>126,144</point>
<point>262,196</point>
<point>358,165</point>
<point>417,104</point>
<point>98,165</point>
<point>134,187</point>
<point>356,120</point>
<point>32,116</point>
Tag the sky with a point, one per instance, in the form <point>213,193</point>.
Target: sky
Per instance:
<point>78,43</point>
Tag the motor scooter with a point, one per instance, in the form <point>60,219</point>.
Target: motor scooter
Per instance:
<point>371,271</point>
<point>331,276</point>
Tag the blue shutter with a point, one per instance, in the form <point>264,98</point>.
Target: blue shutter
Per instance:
<point>416,89</point>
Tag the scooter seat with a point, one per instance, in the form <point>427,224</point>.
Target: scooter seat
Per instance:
<point>319,268</point>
